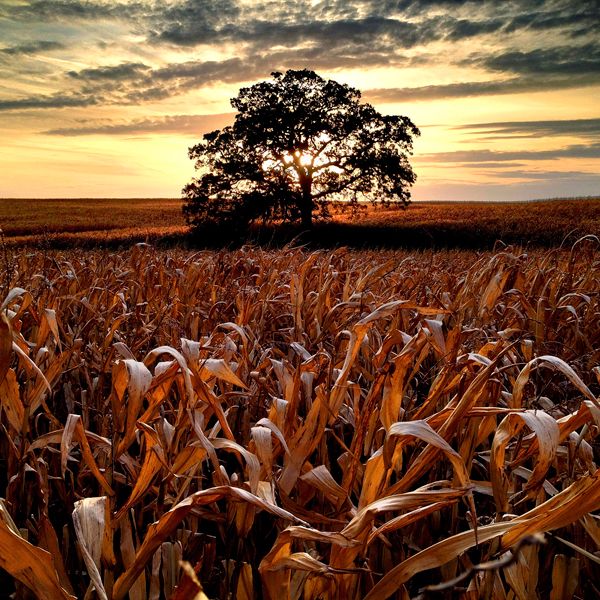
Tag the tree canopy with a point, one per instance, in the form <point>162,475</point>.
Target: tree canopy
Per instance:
<point>297,142</point>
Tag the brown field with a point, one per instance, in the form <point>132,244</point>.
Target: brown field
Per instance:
<point>474,225</point>
<point>110,222</point>
<point>502,219</point>
<point>303,425</point>
<point>73,221</point>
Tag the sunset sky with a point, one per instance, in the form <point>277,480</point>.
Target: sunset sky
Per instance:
<point>102,99</point>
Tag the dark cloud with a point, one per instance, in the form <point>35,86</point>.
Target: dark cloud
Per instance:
<point>461,29</point>
<point>330,36</point>
<point>175,79</point>
<point>403,23</point>
<point>517,14</point>
<point>127,70</point>
<point>204,71</point>
<point>578,23</point>
<point>32,47</point>
<point>51,10</point>
<point>136,83</point>
<point>235,70</point>
<point>194,21</point>
<point>492,156</point>
<point>190,22</point>
<point>173,124</point>
<point>589,128</point>
<point>265,34</point>
<point>52,101</point>
<point>514,85</point>
<point>147,15</point>
<point>560,60</point>
<point>133,83</point>
<point>327,33</point>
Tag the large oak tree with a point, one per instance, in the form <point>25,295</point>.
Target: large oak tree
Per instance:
<point>297,142</point>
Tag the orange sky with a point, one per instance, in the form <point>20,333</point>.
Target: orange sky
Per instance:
<point>102,99</point>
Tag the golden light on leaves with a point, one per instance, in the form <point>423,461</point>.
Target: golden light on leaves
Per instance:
<point>300,425</point>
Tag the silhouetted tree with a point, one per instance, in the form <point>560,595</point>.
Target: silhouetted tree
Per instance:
<point>297,142</point>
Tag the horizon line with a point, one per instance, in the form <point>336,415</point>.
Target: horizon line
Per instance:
<point>172,198</point>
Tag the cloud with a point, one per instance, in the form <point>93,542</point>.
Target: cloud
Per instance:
<point>194,22</point>
<point>190,22</point>
<point>513,85</point>
<point>560,60</point>
<point>126,70</point>
<point>493,156</point>
<point>136,83</point>
<point>461,29</point>
<point>589,128</point>
<point>172,124</point>
<point>51,101</point>
<point>402,23</point>
<point>492,165</point>
<point>263,34</point>
<point>518,15</point>
<point>330,36</point>
<point>250,67</point>
<point>32,47</point>
<point>327,30</point>
<point>143,15</point>
<point>544,175</point>
<point>44,10</point>
<point>579,24</point>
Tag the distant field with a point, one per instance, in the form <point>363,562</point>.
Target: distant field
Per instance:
<point>477,224</point>
<point>35,220</point>
<point>89,222</point>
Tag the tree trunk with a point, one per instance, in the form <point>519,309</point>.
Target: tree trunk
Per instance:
<point>306,207</point>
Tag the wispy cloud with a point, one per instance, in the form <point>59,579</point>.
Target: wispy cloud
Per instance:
<point>127,70</point>
<point>544,175</point>
<point>586,128</point>
<point>51,101</point>
<point>466,89</point>
<point>173,124</point>
<point>32,47</point>
<point>559,60</point>
<point>497,156</point>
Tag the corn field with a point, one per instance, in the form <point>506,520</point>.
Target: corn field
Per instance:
<point>303,425</point>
